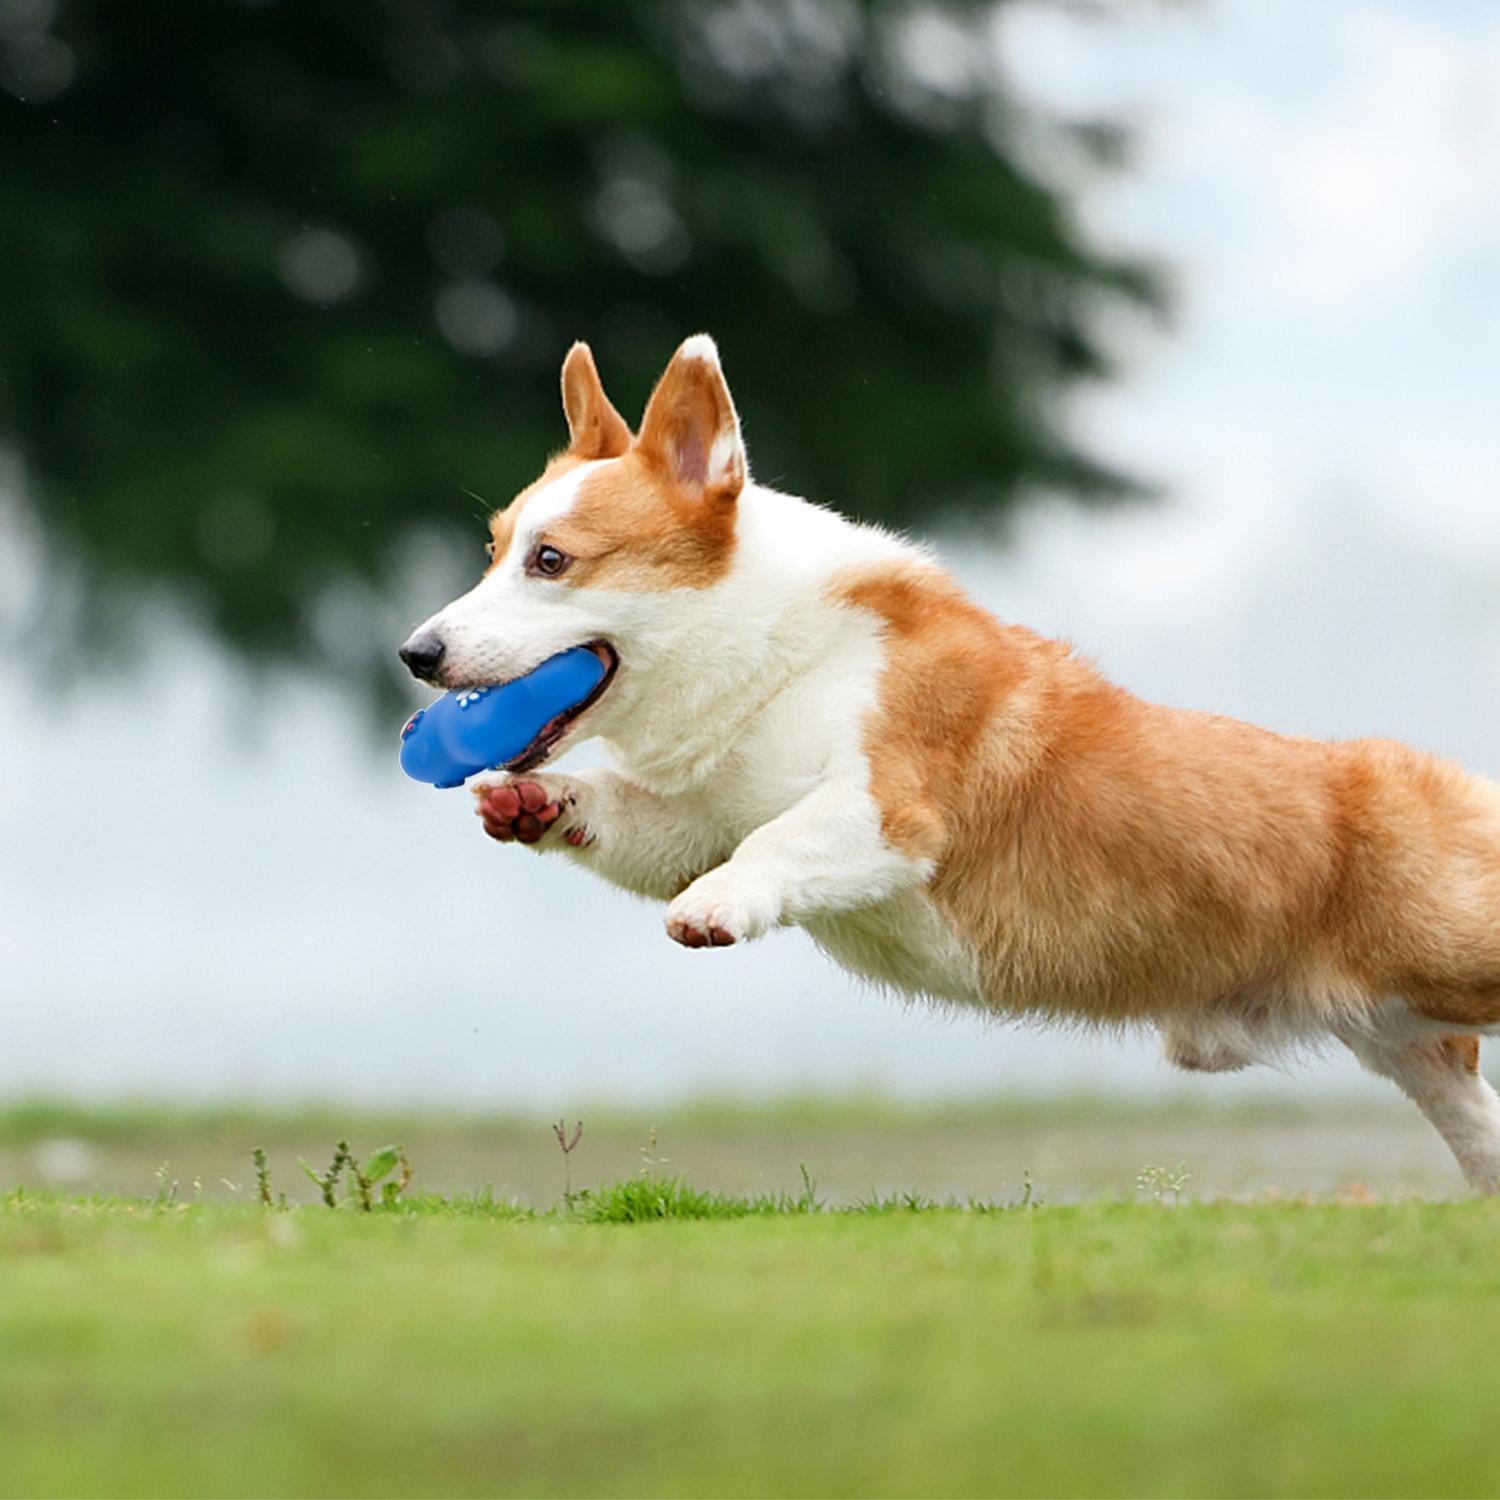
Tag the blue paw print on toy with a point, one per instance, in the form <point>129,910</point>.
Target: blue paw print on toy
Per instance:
<point>490,728</point>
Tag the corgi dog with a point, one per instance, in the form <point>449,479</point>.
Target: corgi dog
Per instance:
<point>813,725</point>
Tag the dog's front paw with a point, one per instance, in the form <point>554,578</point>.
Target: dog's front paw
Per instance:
<point>714,913</point>
<point>525,810</point>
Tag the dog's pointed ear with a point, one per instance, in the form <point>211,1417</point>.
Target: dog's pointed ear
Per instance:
<point>595,428</point>
<point>691,433</point>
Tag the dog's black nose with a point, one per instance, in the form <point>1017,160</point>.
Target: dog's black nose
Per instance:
<point>422,653</point>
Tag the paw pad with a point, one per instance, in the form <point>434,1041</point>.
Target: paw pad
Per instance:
<point>517,810</point>
<point>692,936</point>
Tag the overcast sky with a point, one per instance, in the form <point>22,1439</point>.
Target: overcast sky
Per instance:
<point>194,907</point>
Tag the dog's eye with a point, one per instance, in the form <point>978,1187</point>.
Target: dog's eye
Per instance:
<point>548,562</point>
<point>489,551</point>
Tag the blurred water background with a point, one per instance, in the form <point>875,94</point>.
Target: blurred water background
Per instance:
<point>214,881</point>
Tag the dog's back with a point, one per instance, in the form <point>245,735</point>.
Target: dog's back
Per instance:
<point>1113,860</point>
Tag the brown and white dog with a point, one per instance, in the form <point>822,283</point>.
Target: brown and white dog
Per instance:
<point>814,725</point>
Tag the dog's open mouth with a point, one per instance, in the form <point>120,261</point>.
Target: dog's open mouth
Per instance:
<point>556,728</point>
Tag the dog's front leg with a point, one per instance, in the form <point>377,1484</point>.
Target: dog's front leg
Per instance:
<point>644,843</point>
<point>827,853</point>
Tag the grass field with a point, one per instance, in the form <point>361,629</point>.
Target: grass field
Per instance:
<point>467,1347</point>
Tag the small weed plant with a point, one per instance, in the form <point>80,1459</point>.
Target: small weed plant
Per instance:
<point>1159,1181</point>
<point>567,1142</point>
<point>360,1181</point>
<point>166,1187</point>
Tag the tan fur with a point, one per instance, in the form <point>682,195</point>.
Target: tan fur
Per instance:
<point>647,522</point>
<point>630,529</point>
<point>1114,860</point>
<point>595,428</point>
<point>1464,1050</point>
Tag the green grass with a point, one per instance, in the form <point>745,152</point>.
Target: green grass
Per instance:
<point>661,1341</point>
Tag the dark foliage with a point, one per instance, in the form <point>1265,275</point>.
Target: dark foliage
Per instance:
<point>284,281</point>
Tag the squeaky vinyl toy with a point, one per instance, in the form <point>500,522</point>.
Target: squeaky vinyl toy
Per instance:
<point>489,728</point>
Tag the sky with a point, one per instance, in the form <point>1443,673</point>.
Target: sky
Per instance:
<point>199,900</point>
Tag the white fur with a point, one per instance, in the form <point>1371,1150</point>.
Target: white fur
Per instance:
<point>700,346</point>
<point>549,505</point>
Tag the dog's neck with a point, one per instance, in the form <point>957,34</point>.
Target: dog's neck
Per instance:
<point>756,631</point>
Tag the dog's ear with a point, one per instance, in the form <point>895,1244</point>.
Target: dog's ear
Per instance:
<point>595,428</point>
<point>690,432</point>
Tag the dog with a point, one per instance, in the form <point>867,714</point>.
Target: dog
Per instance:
<point>814,725</point>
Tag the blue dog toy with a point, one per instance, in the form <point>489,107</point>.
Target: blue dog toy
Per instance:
<point>488,728</point>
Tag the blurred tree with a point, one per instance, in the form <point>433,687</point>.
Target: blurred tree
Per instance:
<point>285,281</point>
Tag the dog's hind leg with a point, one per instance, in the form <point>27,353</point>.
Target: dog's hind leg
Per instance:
<point>1440,1074</point>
